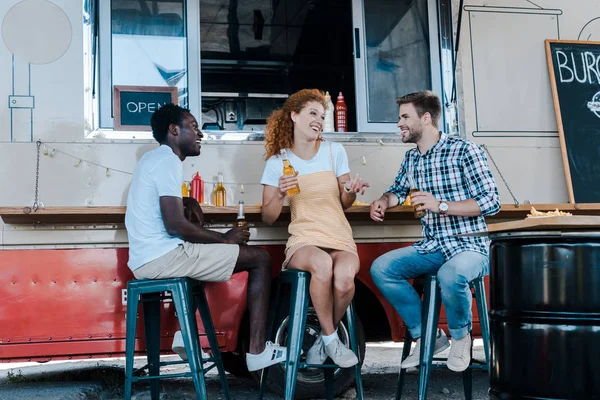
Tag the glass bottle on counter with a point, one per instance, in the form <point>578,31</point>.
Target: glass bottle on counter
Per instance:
<point>289,170</point>
<point>220,193</point>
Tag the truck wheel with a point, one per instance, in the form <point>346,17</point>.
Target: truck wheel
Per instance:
<point>310,383</point>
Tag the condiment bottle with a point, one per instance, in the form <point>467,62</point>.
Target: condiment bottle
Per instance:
<point>328,125</point>
<point>185,192</point>
<point>289,170</point>
<point>341,111</point>
<point>220,193</point>
<point>197,188</point>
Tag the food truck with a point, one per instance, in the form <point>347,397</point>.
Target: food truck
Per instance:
<point>82,78</point>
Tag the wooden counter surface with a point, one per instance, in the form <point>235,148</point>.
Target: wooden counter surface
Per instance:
<point>116,214</point>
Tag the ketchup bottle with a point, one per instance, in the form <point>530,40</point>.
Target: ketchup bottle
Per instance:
<point>341,111</point>
<point>197,186</point>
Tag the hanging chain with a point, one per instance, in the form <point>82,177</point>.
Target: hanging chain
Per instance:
<point>517,204</point>
<point>37,176</point>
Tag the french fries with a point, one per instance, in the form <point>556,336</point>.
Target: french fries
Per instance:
<point>556,213</point>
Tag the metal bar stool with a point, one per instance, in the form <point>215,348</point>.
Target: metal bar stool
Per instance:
<point>299,301</point>
<point>431,315</point>
<point>187,295</point>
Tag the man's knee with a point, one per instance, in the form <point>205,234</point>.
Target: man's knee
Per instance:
<point>378,268</point>
<point>256,256</point>
<point>454,272</point>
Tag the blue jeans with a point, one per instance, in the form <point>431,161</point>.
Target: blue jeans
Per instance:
<point>391,271</point>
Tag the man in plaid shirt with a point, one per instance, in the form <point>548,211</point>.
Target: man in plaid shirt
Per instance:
<point>456,190</point>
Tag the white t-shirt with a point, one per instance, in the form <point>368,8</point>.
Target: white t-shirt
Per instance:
<point>159,173</point>
<point>319,163</point>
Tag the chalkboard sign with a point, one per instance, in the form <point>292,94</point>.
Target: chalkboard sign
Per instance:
<point>575,77</point>
<point>134,105</point>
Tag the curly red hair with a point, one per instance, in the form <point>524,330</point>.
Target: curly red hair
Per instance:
<point>279,132</point>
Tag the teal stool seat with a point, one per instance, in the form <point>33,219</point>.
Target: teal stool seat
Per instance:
<point>187,296</point>
<point>431,315</point>
<point>299,301</point>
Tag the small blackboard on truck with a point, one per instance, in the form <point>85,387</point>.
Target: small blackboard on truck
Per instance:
<point>574,68</point>
<point>134,105</point>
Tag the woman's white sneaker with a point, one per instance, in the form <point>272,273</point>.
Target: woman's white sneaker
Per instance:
<point>316,354</point>
<point>340,354</point>
<point>272,354</point>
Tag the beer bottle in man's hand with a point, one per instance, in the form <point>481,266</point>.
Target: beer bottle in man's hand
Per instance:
<point>241,218</point>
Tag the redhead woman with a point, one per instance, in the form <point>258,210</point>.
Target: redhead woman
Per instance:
<point>321,239</point>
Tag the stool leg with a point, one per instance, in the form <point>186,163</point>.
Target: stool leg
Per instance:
<point>329,382</point>
<point>186,316</point>
<point>484,322</point>
<point>131,321</point>
<point>297,321</point>
<point>209,328</point>
<point>151,307</point>
<point>431,315</point>
<point>354,346</point>
<point>467,376</point>
<point>272,332</point>
<point>402,373</point>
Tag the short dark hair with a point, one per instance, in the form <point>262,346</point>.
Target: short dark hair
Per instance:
<point>425,101</point>
<point>163,117</point>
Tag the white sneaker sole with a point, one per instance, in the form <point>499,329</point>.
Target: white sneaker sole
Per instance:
<point>458,368</point>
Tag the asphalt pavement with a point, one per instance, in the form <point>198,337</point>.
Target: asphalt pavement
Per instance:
<point>103,380</point>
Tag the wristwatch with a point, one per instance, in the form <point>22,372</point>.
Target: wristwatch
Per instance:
<point>443,207</point>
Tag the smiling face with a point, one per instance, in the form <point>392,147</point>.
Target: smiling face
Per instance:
<point>308,123</point>
<point>189,136</point>
<point>410,124</point>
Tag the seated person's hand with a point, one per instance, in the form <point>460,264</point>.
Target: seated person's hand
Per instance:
<point>357,185</point>
<point>287,182</point>
<point>239,235</point>
<point>426,201</point>
<point>378,208</point>
<point>193,211</point>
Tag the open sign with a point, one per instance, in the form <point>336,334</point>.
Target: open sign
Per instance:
<point>134,105</point>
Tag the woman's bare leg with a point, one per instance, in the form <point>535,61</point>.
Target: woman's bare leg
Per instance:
<point>320,265</point>
<point>345,268</point>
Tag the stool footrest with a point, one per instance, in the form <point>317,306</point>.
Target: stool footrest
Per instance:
<point>148,378</point>
<point>322,366</point>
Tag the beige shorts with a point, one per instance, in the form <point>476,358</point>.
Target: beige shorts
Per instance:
<point>209,262</point>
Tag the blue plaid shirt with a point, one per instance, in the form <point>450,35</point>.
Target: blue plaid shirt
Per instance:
<point>452,170</point>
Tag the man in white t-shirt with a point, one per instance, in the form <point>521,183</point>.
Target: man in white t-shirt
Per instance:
<point>164,244</point>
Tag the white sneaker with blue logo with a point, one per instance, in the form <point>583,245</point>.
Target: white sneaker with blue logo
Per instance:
<point>272,354</point>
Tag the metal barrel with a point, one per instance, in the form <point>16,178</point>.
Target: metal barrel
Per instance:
<point>545,315</point>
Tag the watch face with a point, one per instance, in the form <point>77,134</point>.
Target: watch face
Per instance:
<point>443,207</point>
